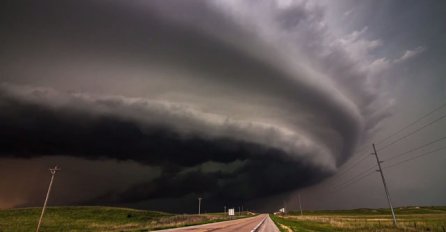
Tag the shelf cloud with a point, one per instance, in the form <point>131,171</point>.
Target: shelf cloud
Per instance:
<point>216,94</point>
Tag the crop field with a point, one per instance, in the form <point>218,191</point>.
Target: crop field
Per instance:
<point>408,218</point>
<point>99,219</point>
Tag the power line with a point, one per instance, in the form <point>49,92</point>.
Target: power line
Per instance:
<point>365,173</point>
<point>415,157</point>
<point>344,171</point>
<point>360,150</point>
<point>413,132</point>
<point>350,164</point>
<point>354,178</point>
<point>369,171</point>
<point>416,148</point>
<point>413,123</point>
<point>354,164</point>
<point>346,164</point>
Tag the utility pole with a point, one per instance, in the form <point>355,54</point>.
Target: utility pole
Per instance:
<point>199,205</point>
<point>53,172</point>
<point>224,209</point>
<point>284,206</point>
<point>300,204</point>
<point>384,183</point>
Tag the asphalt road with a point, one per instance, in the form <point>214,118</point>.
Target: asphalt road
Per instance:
<point>260,223</point>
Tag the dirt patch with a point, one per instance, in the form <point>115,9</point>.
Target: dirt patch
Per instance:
<point>285,227</point>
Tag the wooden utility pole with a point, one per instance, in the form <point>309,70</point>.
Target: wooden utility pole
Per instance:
<point>53,172</point>
<point>384,183</point>
<point>300,204</point>
<point>199,205</point>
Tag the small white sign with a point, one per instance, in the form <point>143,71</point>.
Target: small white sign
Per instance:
<point>231,212</point>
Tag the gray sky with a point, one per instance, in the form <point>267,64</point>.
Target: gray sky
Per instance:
<point>417,86</point>
<point>238,101</point>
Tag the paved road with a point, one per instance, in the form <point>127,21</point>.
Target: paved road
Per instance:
<point>268,226</point>
<point>262,223</point>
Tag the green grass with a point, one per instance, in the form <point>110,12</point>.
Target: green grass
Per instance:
<point>409,219</point>
<point>366,211</point>
<point>299,225</point>
<point>98,219</point>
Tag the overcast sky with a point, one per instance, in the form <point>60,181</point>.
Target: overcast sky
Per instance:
<point>150,104</point>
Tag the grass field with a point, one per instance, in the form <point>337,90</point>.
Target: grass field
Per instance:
<point>409,219</point>
<point>98,219</point>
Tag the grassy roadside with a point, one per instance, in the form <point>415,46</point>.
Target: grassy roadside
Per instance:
<point>409,219</point>
<point>100,219</point>
<point>285,224</point>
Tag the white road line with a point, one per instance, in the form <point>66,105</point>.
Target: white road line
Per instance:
<point>203,225</point>
<point>258,225</point>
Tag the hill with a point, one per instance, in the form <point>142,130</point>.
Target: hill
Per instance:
<point>97,218</point>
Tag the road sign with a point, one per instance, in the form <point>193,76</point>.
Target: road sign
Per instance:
<point>231,212</point>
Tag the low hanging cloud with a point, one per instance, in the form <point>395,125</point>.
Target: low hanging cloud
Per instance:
<point>138,130</point>
<point>259,97</point>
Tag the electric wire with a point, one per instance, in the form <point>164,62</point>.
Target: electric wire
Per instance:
<point>350,167</point>
<point>416,148</point>
<point>370,170</point>
<point>412,123</point>
<point>414,157</point>
<point>412,132</point>
<point>354,178</point>
<point>357,178</point>
<point>355,162</point>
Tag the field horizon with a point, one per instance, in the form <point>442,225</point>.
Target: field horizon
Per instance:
<point>109,218</point>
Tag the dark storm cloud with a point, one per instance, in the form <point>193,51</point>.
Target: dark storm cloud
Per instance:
<point>257,178</point>
<point>30,130</point>
<point>181,86</point>
<point>210,61</point>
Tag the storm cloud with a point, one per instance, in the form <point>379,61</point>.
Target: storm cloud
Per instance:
<point>217,95</point>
